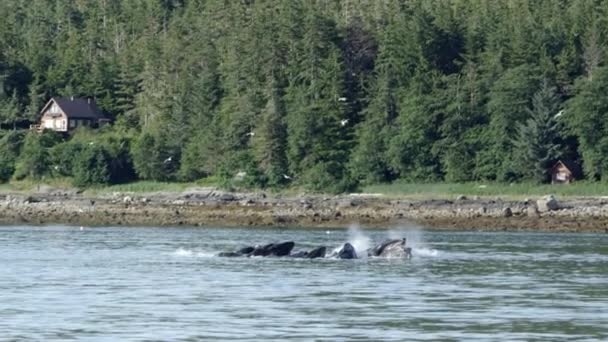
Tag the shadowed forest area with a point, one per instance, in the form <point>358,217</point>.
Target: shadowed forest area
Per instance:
<point>327,96</point>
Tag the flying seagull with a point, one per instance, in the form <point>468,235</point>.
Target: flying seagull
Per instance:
<point>343,122</point>
<point>168,160</point>
<point>560,113</point>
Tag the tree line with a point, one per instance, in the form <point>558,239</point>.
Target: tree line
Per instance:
<point>324,95</point>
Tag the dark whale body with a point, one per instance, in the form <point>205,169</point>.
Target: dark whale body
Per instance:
<point>391,249</point>
<point>387,249</point>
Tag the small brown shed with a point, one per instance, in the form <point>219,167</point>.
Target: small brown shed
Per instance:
<point>565,172</point>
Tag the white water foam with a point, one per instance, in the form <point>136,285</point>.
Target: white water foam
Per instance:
<point>425,252</point>
<point>415,240</point>
<point>182,252</point>
<point>359,240</point>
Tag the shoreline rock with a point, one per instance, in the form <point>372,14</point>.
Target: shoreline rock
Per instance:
<point>205,207</point>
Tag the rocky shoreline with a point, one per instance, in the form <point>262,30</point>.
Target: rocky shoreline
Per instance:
<point>211,207</point>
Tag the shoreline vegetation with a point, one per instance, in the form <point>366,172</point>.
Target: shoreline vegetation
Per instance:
<point>325,96</point>
<point>431,206</point>
<point>397,189</point>
<point>432,100</point>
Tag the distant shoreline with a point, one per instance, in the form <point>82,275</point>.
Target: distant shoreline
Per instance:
<point>206,207</point>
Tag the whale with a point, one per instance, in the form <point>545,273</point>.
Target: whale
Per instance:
<point>347,251</point>
<point>395,248</point>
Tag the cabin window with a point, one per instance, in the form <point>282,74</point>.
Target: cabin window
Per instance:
<point>54,108</point>
<point>48,124</point>
<point>561,176</point>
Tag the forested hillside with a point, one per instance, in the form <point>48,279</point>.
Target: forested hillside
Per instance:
<point>322,94</point>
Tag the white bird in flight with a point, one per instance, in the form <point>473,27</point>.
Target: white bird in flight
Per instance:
<point>343,122</point>
<point>286,177</point>
<point>168,160</point>
<point>560,113</point>
<point>250,134</point>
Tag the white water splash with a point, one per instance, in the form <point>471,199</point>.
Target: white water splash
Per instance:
<point>181,252</point>
<point>360,241</point>
<point>425,252</point>
<point>415,240</point>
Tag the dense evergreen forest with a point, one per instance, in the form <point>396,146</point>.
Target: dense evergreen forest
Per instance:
<point>320,94</point>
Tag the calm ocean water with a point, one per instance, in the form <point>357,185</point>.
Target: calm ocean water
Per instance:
<point>136,284</point>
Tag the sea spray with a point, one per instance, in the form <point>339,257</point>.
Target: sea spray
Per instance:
<point>359,240</point>
<point>182,252</point>
<point>415,239</point>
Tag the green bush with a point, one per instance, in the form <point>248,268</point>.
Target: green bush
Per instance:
<point>10,146</point>
<point>327,177</point>
<point>116,143</point>
<point>91,167</point>
<point>63,158</point>
<point>239,170</point>
<point>153,160</point>
<point>7,168</point>
<point>35,161</point>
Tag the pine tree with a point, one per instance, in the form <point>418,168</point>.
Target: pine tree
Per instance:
<point>586,115</point>
<point>10,113</point>
<point>37,96</point>
<point>509,99</point>
<point>537,141</point>
<point>394,67</point>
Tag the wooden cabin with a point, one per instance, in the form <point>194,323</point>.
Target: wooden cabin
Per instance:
<point>565,172</point>
<point>64,114</point>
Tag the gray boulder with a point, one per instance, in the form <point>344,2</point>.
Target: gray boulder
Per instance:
<point>547,203</point>
<point>531,211</point>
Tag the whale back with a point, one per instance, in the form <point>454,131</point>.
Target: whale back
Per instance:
<point>391,249</point>
<point>347,252</point>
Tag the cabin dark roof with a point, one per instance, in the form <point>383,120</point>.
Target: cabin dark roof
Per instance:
<point>574,168</point>
<point>79,108</point>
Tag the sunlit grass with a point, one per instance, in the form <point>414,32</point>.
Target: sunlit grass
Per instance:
<point>397,189</point>
<point>151,186</point>
<point>515,190</point>
<point>30,185</point>
<point>36,185</point>
<point>6,187</point>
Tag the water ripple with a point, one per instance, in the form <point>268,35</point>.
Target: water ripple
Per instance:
<point>59,283</point>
